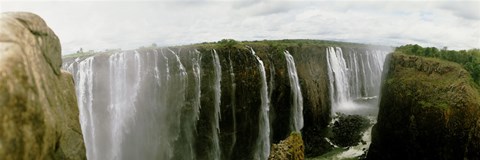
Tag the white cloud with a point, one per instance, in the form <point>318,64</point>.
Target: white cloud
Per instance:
<point>129,24</point>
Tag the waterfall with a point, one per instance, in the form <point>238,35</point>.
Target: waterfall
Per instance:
<point>216,124</point>
<point>198,92</point>
<point>190,129</point>
<point>85,92</point>
<point>263,139</point>
<point>168,103</point>
<point>127,89</point>
<point>122,96</point>
<point>354,78</point>
<point>296,122</point>
<point>233,105</point>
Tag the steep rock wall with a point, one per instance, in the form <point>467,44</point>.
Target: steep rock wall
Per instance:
<point>429,109</point>
<point>38,107</point>
<point>157,79</point>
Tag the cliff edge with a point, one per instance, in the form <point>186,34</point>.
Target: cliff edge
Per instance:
<point>429,109</point>
<point>38,107</point>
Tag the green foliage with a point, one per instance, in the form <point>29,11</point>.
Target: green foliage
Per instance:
<point>227,43</point>
<point>276,45</point>
<point>469,59</point>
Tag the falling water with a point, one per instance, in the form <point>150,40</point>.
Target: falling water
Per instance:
<point>354,87</point>
<point>146,104</point>
<point>85,77</point>
<point>216,124</point>
<point>296,122</point>
<point>233,103</point>
<point>193,117</point>
<point>147,89</point>
<point>263,139</point>
<point>122,97</point>
<point>198,92</point>
<point>354,79</point>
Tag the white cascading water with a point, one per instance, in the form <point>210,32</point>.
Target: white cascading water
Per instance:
<point>296,95</point>
<point>197,58</point>
<point>354,77</point>
<point>263,139</point>
<point>147,89</point>
<point>138,104</point>
<point>85,97</point>
<point>122,96</point>
<point>233,103</point>
<point>196,104</point>
<point>216,125</point>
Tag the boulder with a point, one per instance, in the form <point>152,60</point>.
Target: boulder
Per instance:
<point>39,117</point>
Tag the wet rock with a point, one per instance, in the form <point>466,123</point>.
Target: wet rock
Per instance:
<point>347,130</point>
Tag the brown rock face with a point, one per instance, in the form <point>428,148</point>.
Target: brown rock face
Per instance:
<point>289,149</point>
<point>38,107</point>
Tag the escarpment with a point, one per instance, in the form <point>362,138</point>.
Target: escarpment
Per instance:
<point>429,109</point>
<point>38,107</point>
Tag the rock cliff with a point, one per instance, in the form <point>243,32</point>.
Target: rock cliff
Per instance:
<point>209,96</point>
<point>38,107</point>
<point>240,83</point>
<point>429,109</point>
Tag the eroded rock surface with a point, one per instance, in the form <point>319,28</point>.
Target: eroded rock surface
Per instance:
<point>38,106</point>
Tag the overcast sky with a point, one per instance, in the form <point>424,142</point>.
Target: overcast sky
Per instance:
<point>100,25</point>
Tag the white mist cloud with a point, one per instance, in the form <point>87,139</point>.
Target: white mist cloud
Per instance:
<point>101,25</point>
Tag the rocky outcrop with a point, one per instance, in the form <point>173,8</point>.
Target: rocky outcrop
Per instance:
<point>429,109</point>
<point>289,149</point>
<point>38,107</point>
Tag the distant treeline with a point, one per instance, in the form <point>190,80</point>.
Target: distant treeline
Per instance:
<point>469,59</point>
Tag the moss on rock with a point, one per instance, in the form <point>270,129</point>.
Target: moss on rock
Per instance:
<point>289,149</point>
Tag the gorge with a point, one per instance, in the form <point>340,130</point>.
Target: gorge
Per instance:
<point>270,99</point>
<point>217,101</point>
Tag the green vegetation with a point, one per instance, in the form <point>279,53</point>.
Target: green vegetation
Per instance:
<point>272,46</point>
<point>469,59</point>
<point>277,44</point>
<point>423,78</point>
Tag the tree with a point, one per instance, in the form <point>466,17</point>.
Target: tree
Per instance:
<point>228,43</point>
<point>80,50</point>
